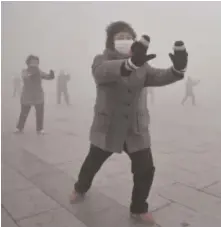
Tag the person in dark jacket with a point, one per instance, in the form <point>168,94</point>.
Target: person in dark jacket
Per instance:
<point>121,118</point>
<point>62,87</point>
<point>189,93</point>
<point>32,93</point>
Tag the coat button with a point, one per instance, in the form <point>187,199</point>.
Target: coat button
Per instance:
<point>129,91</point>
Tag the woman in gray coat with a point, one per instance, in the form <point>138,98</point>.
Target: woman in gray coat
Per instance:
<point>32,93</point>
<point>121,118</point>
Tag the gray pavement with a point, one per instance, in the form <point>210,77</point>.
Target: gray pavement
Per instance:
<point>38,172</point>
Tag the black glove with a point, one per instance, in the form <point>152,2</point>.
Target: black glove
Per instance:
<point>139,56</point>
<point>51,74</point>
<point>180,56</point>
<point>139,49</point>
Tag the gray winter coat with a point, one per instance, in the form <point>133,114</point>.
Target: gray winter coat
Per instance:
<point>32,91</point>
<point>120,112</point>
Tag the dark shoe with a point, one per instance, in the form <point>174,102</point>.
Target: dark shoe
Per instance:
<point>146,218</point>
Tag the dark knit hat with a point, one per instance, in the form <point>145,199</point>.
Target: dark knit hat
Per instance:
<point>31,57</point>
<point>114,28</point>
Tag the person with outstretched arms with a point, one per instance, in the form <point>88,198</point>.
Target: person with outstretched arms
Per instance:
<point>121,118</point>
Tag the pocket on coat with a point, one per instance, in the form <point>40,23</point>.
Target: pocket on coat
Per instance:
<point>143,121</point>
<point>101,122</point>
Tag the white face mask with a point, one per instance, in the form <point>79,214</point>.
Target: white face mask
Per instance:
<point>123,46</point>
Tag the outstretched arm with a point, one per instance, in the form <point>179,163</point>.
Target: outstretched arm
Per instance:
<point>47,76</point>
<point>161,77</point>
<point>156,77</point>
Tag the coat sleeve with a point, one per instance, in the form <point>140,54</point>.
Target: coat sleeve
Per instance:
<point>46,76</point>
<point>156,77</point>
<point>106,71</point>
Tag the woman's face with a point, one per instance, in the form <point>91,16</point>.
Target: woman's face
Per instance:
<point>123,42</point>
<point>123,36</point>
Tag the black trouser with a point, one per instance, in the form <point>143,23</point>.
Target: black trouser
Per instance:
<point>65,93</point>
<point>25,109</point>
<point>142,169</point>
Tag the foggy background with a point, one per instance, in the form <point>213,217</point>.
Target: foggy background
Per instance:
<point>67,35</point>
<point>186,141</point>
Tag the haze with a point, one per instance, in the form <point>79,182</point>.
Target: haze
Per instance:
<point>186,145</point>
<point>69,34</point>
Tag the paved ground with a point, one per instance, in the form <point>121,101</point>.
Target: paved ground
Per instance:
<point>38,172</point>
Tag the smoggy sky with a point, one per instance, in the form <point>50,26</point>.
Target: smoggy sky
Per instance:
<point>68,34</point>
